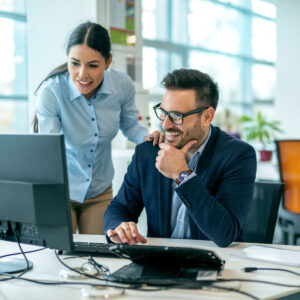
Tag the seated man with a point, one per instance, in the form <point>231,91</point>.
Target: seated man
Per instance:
<point>198,184</point>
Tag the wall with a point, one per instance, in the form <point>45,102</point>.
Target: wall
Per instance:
<point>49,24</point>
<point>287,108</point>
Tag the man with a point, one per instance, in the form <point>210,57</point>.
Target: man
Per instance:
<point>198,184</point>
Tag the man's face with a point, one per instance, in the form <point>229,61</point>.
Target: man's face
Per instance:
<point>194,126</point>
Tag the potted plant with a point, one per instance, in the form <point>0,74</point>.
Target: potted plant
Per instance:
<point>261,130</point>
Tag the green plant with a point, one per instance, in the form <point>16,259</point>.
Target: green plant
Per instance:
<point>259,129</point>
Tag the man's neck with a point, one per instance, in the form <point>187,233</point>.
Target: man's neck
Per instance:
<point>195,147</point>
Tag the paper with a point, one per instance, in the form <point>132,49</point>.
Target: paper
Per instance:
<point>272,255</point>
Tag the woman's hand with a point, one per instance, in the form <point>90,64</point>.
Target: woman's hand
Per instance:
<point>157,137</point>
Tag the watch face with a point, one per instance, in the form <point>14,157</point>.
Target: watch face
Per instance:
<point>183,175</point>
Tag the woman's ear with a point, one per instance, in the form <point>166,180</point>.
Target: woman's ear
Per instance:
<point>108,62</point>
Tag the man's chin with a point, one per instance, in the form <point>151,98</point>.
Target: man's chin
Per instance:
<point>174,144</point>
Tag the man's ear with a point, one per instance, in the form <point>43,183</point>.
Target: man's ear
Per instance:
<point>208,116</point>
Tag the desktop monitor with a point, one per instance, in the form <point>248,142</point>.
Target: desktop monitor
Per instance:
<point>34,197</point>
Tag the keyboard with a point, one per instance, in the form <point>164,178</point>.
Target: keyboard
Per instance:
<point>94,249</point>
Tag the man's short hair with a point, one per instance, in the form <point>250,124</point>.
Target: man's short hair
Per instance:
<point>207,92</point>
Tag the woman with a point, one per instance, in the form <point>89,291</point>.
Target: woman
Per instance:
<point>88,103</point>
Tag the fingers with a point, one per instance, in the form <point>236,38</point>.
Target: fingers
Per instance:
<point>188,145</point>
<point>113,235</point>
<point>126,232</point>
<point>148,138</point>
<point>161,138</point>
<point>141,239</point>
<point>157,137</point>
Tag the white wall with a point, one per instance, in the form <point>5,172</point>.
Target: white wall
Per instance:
<point>49,24</point>
<point>287,98</point>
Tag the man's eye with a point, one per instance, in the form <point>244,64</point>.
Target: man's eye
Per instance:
<point>74,63</point>
<point>94,66</point>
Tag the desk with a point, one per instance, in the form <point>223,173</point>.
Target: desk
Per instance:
<point>46,266</point>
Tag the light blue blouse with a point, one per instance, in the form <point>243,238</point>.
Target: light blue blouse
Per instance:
<point>89,127</point>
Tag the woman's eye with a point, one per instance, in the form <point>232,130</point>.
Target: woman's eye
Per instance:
<point>94,66</point>
<point>74,63</point>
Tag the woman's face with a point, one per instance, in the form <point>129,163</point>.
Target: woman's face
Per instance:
<point>86,67</point>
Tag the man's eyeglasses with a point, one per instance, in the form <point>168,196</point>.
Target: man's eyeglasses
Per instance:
<point>174,116</point>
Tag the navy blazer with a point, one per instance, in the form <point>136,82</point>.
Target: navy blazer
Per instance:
<point>217,199</point>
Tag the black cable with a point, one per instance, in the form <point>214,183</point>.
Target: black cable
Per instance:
<point>199,285</point>
<point>26,260</point>
<point>253,269</point>
<point>259,281</point>
<point>26,252</point>
<point>211,287</point>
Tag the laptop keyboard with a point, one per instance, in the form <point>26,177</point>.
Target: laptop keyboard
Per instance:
<point>92,248</point>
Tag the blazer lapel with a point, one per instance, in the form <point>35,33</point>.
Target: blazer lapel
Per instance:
<point>205,158</point>
<point>164,194</point>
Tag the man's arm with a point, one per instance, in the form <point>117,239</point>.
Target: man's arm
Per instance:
<point>122,214</point>
<point>220,216</point>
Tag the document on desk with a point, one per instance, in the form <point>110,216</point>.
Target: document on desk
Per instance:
<point>268,254</point>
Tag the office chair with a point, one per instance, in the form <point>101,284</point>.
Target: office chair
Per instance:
<point>261,220</point>
<point>288,154</point>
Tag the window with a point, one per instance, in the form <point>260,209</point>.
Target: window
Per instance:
<point>234,41</point>
<point>13,83</point>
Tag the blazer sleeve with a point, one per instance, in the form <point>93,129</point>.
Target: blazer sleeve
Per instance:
<point>219,214</point>
<point>127,205</point>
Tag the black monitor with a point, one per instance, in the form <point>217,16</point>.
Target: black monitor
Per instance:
<point>34,197</point>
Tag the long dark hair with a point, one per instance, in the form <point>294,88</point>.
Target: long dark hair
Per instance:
<point>91,34</point>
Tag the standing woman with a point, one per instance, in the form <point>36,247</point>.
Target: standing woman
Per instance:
<point>88,103</point>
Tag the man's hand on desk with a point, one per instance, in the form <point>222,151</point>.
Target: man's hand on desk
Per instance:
<point>126,232</point>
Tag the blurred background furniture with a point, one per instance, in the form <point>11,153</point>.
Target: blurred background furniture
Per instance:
<point>288,153</point>
<point>261,220</point>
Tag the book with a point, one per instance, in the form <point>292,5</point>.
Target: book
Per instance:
<point>279,256</point>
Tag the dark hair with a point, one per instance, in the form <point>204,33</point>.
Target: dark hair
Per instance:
<point>207,92</point>
<point>91,34</point>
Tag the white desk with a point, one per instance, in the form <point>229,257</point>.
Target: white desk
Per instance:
<point>46,266</point>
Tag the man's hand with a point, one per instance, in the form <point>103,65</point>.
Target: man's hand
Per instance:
<point>170,161</point>
<point>157,137</point>
<point>126,232</point>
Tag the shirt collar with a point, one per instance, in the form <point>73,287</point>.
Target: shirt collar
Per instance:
<point>202,147</point>
<point>105,87</point>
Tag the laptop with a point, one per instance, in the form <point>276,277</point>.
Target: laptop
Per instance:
<point>163,265</point>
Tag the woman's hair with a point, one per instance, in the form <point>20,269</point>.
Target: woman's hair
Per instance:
<point>91,34</point>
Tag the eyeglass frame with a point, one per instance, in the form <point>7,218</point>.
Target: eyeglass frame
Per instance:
<point>195,111</point>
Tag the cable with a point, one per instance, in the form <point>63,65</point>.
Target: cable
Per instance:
<point>259,281</point>
<point>200,285</point>
<point>18,253</point>
<point>253,269</point>
<point>26,260</point>
<point>210,287</point>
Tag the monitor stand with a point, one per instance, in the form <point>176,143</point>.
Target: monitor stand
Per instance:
<point>14,265</point>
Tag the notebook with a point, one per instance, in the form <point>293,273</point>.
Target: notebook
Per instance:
<point>268,254</point>
<point>163,265</point>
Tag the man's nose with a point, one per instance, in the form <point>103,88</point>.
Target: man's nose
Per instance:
<point>167,123</point>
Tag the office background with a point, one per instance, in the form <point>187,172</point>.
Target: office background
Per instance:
<point>250,48</point>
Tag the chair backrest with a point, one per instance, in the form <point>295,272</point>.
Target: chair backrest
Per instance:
<point>261,220</point>
<point>288,154</point>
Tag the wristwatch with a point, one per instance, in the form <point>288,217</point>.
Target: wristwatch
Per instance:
<point>183,175</point>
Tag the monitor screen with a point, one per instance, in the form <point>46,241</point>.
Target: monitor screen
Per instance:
<point>34,197</point>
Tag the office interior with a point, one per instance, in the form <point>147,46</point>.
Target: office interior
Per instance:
<point>250,47</point>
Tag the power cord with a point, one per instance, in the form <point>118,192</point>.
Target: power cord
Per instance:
<point>254,269</point>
